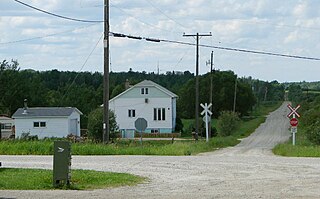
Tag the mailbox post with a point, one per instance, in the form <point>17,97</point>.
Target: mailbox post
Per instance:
<point>61,163</point>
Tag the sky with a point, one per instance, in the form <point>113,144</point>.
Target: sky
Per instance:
<point>43,42</point>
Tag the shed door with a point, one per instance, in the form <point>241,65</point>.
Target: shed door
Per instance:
<point>73,126</point>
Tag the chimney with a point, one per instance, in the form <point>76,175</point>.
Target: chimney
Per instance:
<point>25,107</point>
<point>127,84</point>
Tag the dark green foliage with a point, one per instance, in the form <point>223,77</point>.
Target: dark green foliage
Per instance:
<point>228,122</point>
<point>179,125</point>
<point>95,124</point>
<point>295,93</point>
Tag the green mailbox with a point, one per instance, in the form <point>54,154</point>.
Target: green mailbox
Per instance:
<point>61,163</point>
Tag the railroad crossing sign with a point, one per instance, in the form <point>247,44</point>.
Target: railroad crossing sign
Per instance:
<point>294,122</point>
<point>206,112</point>
<point>293,112</point>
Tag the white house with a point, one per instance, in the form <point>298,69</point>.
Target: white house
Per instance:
<point>47,121</point>
<point>147,100</point>
<point>6,125</point>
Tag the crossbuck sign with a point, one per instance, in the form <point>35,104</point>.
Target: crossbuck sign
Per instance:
<point>293,121</point>
<point>206,112</point>
<point>293,112</point>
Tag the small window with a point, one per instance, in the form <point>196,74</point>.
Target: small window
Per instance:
<point>42,124</point>
<point>36,124</point>
<point>154,114</point>
<point>131,113</point>
<point>147,91</point>
<point>163,114</point>
<point>159,114</point>
<point>39,124</point>
<point>142,91</point>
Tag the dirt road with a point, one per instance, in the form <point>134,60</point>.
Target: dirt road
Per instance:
<point>248,170</point>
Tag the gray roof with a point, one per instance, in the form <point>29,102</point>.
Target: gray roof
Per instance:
<point>45,112</point>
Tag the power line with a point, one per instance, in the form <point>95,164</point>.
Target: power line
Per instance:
<point>83,65</point>
<point>165,14</point>
<point>57,15</point>
<point>44,36</point>
<point>141,21</point>
<point>220,47</point>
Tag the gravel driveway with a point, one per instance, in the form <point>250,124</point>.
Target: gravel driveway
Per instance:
<point>248,170</point>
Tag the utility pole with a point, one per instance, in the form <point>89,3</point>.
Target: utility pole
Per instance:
<point>235,95</point>
<point>211,90</point>
<point>105,135</point>
<point>197,77</point>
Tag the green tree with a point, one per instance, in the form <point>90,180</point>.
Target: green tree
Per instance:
<point>95,124</point>
<point>228,122</point>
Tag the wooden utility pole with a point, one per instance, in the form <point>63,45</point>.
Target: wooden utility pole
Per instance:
<point>211,90</point>
<point>105,135</point>
<point>235,95</point>
<point>197,79</point>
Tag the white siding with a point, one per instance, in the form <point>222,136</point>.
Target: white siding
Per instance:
<point>74,115</point>
<point>55,127</point>
<point>144,110</point>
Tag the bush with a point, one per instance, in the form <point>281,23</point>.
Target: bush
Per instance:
<point>95,124</point>
<point>313,133</point>
<point>228,122</point>
<point>28,137</point>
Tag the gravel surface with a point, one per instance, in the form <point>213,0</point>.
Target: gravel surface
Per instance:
<point>248,170</point>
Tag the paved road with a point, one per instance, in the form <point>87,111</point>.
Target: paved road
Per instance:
<point>248,170</point>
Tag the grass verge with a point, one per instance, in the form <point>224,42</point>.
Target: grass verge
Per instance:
<point>302,148</point>
<point>39,179</point>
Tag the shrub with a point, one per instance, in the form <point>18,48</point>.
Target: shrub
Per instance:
<point>95,124</point>
<point>227,123</point>
<point>313,133</point>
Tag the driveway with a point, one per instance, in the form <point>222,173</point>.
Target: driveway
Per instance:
<point>248,170</point>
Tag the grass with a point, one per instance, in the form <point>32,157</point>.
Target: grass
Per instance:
<point>39,179</point>
<point>133,147</point>
<point>124,147</point>
<point>302,148</point>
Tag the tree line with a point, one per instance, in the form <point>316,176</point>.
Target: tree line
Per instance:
<point>84,90</point>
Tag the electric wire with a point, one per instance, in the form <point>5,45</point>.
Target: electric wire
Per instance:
<point>83,65</point>
<point>165,14</point>
<point>57,15</point>
<point>226,48</point>
<point>44,36</point>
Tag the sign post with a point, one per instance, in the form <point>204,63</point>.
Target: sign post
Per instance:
<point>293,121</point>
<point>207,113</point>
<point>141,125</point>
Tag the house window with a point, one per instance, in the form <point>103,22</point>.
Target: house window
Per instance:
<point>6,126</point>
<point>131,113</point>
<point>154,130</point>
<point>39,124</point>
<point>144,91</point>
<point>159,114</point>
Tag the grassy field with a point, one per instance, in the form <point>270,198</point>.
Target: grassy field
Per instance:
<point>303,147</point>
<point>38,179</point>
<point>124,147</point>
<point>133,147</point>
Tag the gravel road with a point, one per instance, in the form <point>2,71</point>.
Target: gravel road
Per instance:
<point>248,170</point>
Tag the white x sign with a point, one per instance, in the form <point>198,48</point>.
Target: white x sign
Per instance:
<point>206,108</point>
<point>293,111</point>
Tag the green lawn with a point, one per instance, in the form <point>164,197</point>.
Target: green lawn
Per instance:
<point>38,179</point>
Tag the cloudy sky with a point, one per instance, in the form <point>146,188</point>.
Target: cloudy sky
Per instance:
<point>43,42</point>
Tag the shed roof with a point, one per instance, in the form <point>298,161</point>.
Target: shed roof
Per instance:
<point>45,112</point>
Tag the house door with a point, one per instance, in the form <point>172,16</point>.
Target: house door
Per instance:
<point>73,126</point>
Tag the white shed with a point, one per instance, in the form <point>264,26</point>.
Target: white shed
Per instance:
<point>47,121</point>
